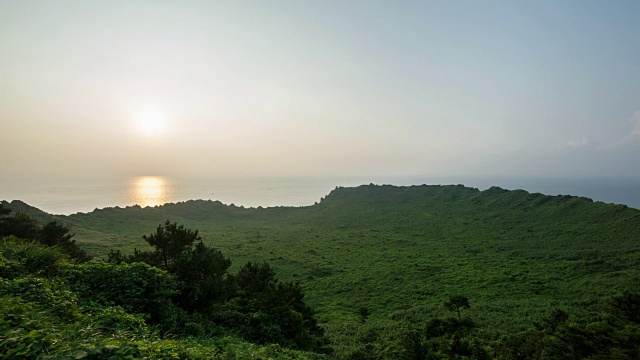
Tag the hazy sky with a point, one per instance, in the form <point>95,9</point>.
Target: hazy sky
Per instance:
<point>211,88</point>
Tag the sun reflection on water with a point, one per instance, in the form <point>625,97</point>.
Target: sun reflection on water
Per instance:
<point>149,191</point>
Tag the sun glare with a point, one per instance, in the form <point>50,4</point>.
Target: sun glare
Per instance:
<point>150,191</point>
<point>150,122</point>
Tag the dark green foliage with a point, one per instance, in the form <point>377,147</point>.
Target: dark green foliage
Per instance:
<point>170,241</point>
<point>627,305</point>
<point>437,327</point>
<point>202,274</point>
<point>406,339</point>
<point>595,336</point>
<point>592,337</point>
<point>4,210</point>
<point>29,330</point>
<point>255,279</point>
<point>200,271</point>
<point>295,317</point>
<point>266,310</point>
<point>147,257</point>
<point>363,313</point>
<point>252,304</point>
<point>21,257</point>
<point>23,329</point>
<point>17,206</point>
<point>51,234</point>
<point>20,225</point>
<point>137,287</point>
<point>116,257</point>
<point>51,294</point>
<point>457,302</point>
<point>71,313</point>
<point>557,318</point>
<point>56,234</point>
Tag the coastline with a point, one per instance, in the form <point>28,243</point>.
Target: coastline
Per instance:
<point>67,197</point>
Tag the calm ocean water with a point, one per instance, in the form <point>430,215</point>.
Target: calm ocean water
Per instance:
<point>83,196</point>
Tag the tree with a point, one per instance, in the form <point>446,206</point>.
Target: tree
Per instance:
<point>456,303</point>
<point>627,305</point>
<point>555,320</point>
<point>55,233</point>
<point>253,303</point>
<point>200,270</point>
<point>364,313</point>
<point>267,310</point>
<point>202,273</point>
<point>170,241</point>
<point>255,278</point>
<point>51,234</point>
<point>20,225</point>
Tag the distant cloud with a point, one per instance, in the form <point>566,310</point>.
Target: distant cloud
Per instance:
<point>635,131</point>
<point>578,143</point>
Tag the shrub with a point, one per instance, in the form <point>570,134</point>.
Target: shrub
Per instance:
<point>266,310</point>
<point>116,319</point>
<point>21,257</point>
<point>49,294</point>
<point>25,331</point>
<point>137,287</point>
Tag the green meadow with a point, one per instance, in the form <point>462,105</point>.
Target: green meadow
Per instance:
<point>377,263</point>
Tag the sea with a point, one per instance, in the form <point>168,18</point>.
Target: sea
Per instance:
<point>68,197</point>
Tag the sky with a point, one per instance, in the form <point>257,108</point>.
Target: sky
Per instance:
<point>308,88</point>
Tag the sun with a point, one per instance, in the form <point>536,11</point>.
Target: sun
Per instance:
<point>150,122</point>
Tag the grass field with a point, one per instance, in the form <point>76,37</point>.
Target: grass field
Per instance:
<point>402,251</point>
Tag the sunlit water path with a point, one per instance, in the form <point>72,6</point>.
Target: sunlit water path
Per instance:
<point>149,191</point>
<point>67,197</point>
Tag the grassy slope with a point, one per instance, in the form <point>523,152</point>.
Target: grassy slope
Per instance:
<point>515,255</point>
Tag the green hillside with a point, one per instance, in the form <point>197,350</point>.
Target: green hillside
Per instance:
<point>392,248</point>
<point>401,252</point>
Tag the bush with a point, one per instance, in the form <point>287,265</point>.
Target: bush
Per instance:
<point>137,287</point>
<point>116,319</point>
<point>25,331</point>
<point>21,257</point>
<point>201,272</point>
<point>266,310</point>
<point>49,294</point>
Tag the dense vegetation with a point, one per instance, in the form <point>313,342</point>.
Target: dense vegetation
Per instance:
<point>56,304</point>
<point>401,272</point>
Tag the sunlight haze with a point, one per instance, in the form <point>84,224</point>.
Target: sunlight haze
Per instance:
<point>150,122</point>
<point>297,88</point>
